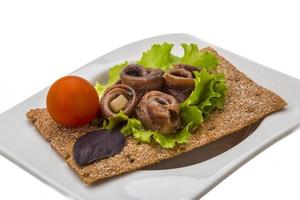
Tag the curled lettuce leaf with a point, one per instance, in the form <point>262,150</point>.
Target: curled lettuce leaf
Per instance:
<point>115,120</point>
<point>160,56</point>
<point>169,141</point>
<point>215,95</point>
<point>113,76</point>
<point>194,57</point>
<point>191,115</point>
<point>209,94</point>
<point>202,79</point>
<point>135,128</point>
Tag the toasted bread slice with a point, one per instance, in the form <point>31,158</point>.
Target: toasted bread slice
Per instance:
<point>246,103</point>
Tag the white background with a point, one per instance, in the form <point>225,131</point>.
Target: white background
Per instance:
<point>41,41</point>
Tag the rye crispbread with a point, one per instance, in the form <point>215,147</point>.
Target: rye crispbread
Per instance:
<point>246,103</point>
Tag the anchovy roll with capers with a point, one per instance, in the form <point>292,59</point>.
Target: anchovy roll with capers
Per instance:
<point>142,79</point>
<point>118,98</point>
<point>159,112</point>
<point>179,81</point>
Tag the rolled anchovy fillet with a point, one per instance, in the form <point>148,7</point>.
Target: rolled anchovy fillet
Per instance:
<point>179,81</point>
<point>187,67</point>
<point>159,112</point>
<point>114,92</point>
<point>141,79</point>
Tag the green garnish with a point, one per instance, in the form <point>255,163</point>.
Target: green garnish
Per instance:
<point>209,93</point>
<point>135,128</point>
<point>160,56</point>
<point>113,76</point>
<point>192,56</point>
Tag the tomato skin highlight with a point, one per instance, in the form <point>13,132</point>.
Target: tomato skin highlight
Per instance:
<point>72,101</point>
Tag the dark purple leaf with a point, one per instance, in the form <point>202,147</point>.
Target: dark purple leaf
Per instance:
<point>97,145</point>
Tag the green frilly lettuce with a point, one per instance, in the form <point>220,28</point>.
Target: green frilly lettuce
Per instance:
<point>194,57</point>
<point>113,76</point>
<point>160,56</point>
<point>135,128</point>
<point>209,94</point>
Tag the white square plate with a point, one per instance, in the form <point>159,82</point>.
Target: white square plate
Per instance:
<point>20,142</point>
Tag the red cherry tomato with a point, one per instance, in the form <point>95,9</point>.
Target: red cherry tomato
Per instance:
<point>72,101</point>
